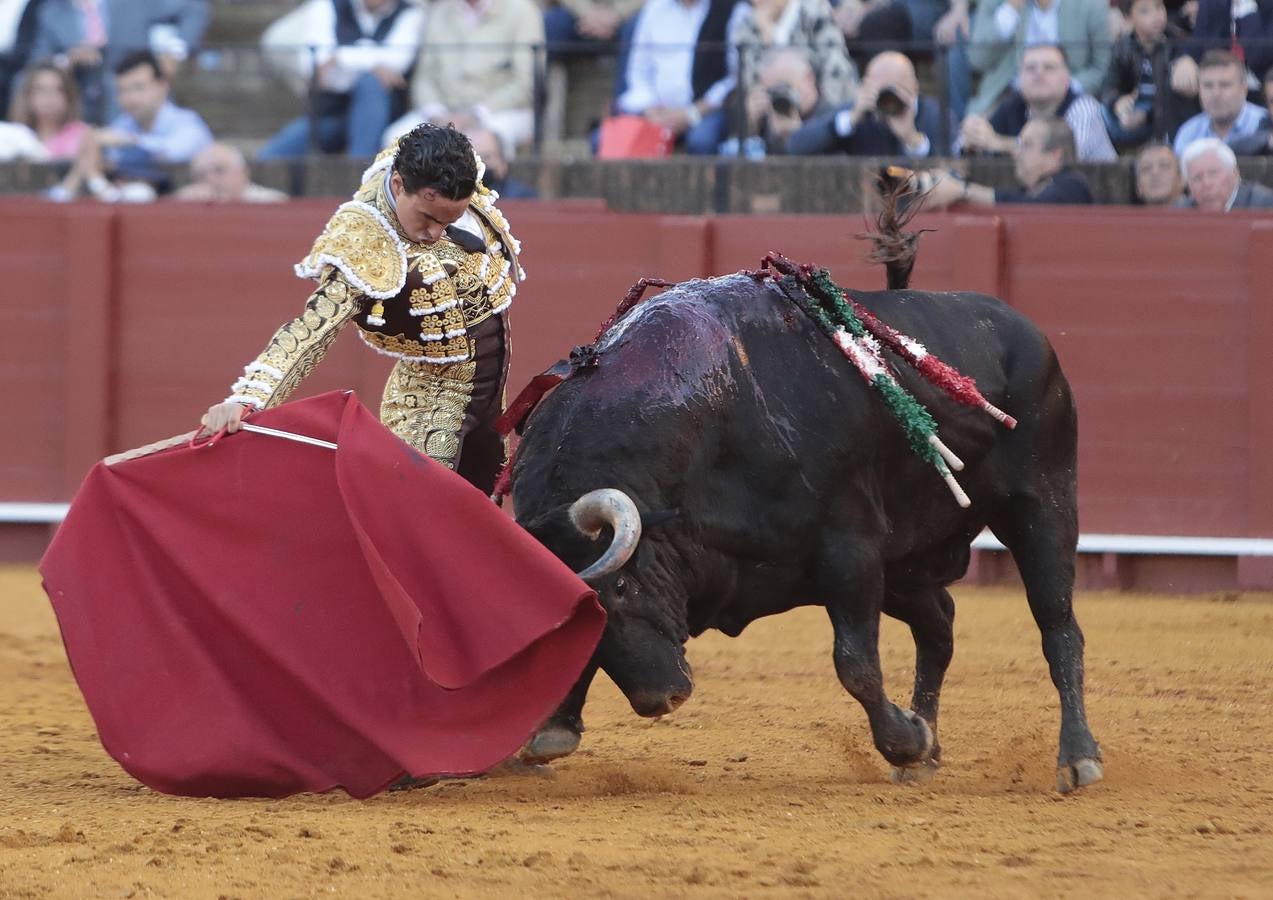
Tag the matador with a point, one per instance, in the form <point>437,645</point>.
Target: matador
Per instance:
<point>423,262</point>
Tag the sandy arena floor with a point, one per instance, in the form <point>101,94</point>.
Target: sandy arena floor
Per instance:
<point>764,785</point>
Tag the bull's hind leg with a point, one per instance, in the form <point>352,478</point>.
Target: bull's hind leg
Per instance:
<point>857,584</point>
<point>930,613</point>
<point>1042,535</point>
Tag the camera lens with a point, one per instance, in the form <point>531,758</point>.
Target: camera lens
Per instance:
<point>889,103</point>
<point>782,100</point>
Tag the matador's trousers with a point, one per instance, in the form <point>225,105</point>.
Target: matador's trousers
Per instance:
<point>448,410</point>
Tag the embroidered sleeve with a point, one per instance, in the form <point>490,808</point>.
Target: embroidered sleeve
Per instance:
<point>298,346</point>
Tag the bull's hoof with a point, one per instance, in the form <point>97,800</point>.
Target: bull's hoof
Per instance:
<point>551,742</point>
<point>1079,774</point>
<point>927,742</point>
<point>921,773</point>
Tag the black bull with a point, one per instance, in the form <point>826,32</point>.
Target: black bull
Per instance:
<point>769,475</point>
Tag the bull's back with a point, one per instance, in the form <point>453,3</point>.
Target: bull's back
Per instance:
<point>980,335</point>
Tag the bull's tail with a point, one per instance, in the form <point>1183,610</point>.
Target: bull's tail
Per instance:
<point>895,247</point>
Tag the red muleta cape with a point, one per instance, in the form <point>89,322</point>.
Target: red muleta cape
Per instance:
<point>263,617</point>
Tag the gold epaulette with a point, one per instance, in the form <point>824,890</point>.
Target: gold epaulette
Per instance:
<point>483,201</point>
<point>364,246</point>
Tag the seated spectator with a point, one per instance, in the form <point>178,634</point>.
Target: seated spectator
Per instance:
<point>150,132</point>
<point>48,103</point>
<point>90,37</point>
<point>1158,179</point>
<point>677,75</point>
<point>1215,185</point>
<point>1248,24</point>
<point>1226,113</point>
<point>363,49</point>
<point>17,34</point>
<point>221,175</point>
<point>487,145</point>
<point>1046,90</point>
<point>477,63</point>
<point>1137,96</point>
<point>1001,29</point>
<point>889,117</point>
<point>1044,161</point>
<point>784,98</point>
<point>1260,142</point>
<point>757,30</point>
<point>807,25</point>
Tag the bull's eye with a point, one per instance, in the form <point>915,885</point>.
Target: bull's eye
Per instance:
<point>620,586</point>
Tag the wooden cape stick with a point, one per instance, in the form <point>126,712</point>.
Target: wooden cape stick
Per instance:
<point>139,452</point>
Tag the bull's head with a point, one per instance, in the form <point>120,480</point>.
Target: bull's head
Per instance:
<point>639,651</point>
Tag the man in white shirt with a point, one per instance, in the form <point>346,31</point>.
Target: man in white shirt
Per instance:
<point>677,76</point>
<point>362,50</point>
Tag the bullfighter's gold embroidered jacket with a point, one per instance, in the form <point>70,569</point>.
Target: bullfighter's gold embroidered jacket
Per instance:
<point>410,301</point>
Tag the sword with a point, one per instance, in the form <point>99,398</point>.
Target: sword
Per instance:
<point>287,435</point>
<point>189,440</point>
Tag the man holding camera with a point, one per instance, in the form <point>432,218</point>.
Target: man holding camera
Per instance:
<point>784,96</point>
<point>889,117</point>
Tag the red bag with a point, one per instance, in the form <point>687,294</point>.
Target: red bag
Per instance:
<point>262,617</point>
<point>633,137</point>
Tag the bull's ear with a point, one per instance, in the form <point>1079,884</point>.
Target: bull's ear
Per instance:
<point>656,517</point>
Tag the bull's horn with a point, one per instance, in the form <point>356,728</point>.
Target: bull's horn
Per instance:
<point>607,506</point>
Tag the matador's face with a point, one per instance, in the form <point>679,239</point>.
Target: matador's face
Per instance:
<point>425,214</point>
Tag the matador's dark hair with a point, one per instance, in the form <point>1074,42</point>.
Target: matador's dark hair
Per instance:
<point>437,157</point>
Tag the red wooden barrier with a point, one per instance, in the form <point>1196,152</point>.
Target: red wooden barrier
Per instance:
<point>119,325</point>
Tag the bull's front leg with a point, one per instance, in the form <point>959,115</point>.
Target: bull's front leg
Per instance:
<point>857,584</point>
<point>560,735</point>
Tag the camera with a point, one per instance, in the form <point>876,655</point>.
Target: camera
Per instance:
<point>784,101</point>
<point>889,102</point>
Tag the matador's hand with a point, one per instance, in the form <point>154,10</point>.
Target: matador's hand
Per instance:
<point>227,416</point>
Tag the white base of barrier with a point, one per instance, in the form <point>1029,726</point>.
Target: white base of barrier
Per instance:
<point>33,513</point>
<point>1160,545</point>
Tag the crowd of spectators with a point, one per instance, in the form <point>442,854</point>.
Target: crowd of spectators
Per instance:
<point>1179,88</point>
<point>1102,79</point>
